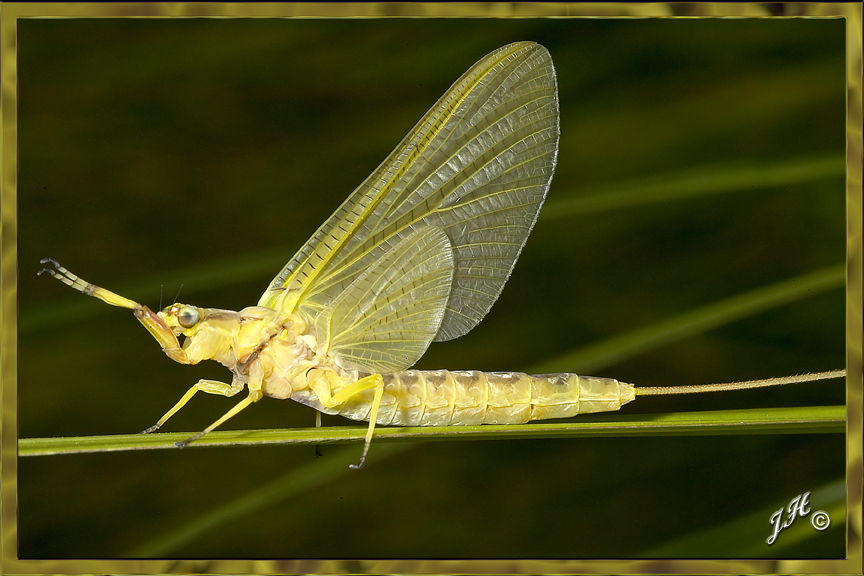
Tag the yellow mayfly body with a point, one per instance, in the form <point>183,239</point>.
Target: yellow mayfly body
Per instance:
<point>418,253</point>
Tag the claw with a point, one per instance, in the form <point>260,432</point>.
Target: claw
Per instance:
<point>49,270</point>
<point>70,279</point>
<point>183,443</point>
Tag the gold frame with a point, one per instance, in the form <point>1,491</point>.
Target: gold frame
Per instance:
<point>12,11</point>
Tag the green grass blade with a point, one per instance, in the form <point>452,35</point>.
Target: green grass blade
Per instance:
<point>293,483</point>
<point>693,183</point>
<point>613,350</point>
<point>749,532</point>
<point>821,419</point>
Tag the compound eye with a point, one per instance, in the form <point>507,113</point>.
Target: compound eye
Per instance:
<point>188,316</point>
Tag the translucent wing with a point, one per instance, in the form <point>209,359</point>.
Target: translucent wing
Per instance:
<point>386,318</point>
<point>477,167</point>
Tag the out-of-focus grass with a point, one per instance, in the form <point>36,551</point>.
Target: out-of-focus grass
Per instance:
<point>159,161</point>
<point>601,355</point>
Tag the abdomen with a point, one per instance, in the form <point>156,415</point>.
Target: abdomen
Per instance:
<point>443,397</point>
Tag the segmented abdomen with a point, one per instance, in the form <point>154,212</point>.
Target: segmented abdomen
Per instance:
<point>442,397</point>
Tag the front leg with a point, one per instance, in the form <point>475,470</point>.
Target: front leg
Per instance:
<point>160,331</point>
<point>151,321</point>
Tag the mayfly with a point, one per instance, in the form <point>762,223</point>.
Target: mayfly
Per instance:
<point>418,253</point>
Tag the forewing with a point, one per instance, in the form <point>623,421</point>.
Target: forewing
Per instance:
<point>477,166</point>
<point>385,320</point>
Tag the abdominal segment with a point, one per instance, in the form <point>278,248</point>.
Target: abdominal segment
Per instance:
<point>446,398</point>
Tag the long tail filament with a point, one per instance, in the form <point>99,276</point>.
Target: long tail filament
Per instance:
<point>666,390</point>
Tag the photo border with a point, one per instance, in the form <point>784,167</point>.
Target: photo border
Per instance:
<point>11,12</point>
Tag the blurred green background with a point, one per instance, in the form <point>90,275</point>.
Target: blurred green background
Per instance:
<point>204,152</point>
